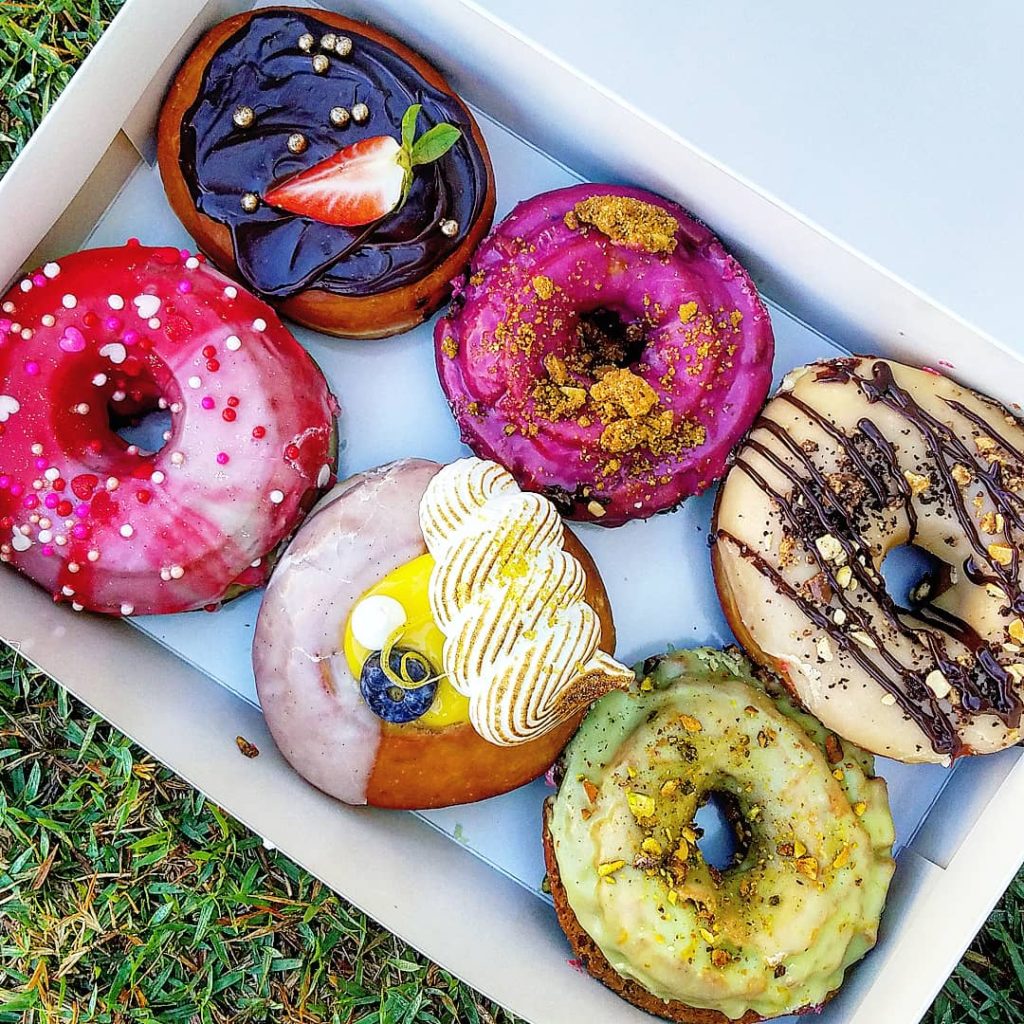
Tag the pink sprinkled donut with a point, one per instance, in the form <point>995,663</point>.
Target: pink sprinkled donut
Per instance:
<point>607,350</point>
<point>93,343</point>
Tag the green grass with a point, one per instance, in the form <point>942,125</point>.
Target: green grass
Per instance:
<point>125,896</point>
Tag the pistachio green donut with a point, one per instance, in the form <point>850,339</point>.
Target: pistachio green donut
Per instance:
<point>775,932</point>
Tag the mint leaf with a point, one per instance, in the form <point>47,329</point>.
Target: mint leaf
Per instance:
<point>433,145</point>
<point>409,125</point>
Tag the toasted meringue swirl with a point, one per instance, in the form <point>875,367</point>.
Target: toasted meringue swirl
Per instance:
<point>522,643</point>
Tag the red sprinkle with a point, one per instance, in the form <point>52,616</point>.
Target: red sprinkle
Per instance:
<point>292,452</point>
<point>142,497</point>
<point>232,401</point>
<point>209,352</point>
<point>229,415</point>
<point>212,365</point>
<point>90,319</point>
<point>222,458</point>
<point>259,433</point>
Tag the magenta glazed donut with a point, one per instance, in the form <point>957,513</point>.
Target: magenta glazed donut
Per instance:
<point>94,342</point>
<point>606,349</point>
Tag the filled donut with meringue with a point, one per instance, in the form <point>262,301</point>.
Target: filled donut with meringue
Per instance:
<point>431,637</point>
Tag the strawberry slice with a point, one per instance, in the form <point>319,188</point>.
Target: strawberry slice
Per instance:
<point>358,185</point>
<point>365,181</point>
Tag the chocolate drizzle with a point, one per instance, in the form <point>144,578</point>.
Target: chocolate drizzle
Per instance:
<point>812,510</point>
<point>261,66</point>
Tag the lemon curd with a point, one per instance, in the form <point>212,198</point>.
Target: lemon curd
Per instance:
<point>409,585</point>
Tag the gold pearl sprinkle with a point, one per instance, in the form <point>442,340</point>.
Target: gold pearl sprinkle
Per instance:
<point>340,116</point>
<point>360,113</point>
<point>328,41</point>
<point>297,143</point>
<point>306,42</point>
<point>321,64</point>
<point>451,229</point>
<point>250,202</point>
<point>243,116</point>
<point>343,47</point>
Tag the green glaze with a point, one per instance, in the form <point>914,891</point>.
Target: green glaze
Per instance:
<point>775,932</point>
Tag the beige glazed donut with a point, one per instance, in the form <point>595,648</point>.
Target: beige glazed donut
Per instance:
<point>851,459</point>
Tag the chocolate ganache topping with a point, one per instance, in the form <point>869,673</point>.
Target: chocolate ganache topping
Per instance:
<point>269,68</point>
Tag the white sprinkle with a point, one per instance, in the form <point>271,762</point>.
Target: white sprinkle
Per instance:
<point>75,606</point>
<point>195,382</point>
<point>53,473</point>
<point>157,477</point>
<point>44,522</point>
<point>82,408</point>
<point>165,575</point>
<point>233,343</point>
<point>191,263</point>
<point>146,305</point>
<point>37,449</point>
<point>133,449</point>
<point>259,324</point>
<point>26,333</point>
<point>161,402</point>
<point>153,323</point>
<point>73,567</point>
<point>99,380</point>
<point>256,564</point>
<point>69,301</point>
<point>277,497</point>
<point>37,485</point>
<point>33,518</point>
<point>166,435</point>
<point>175,407</point>
<point>68,591</point>
<point>177,572</point>
<point>230,292</point>
<point>93,556</point>
<point>60,540</point>
<point>20,542</point>
<point>325,475</point>
<point>113,483</point>
<point>115,302</point>
<point>127,530</point>
<point>127,609</point>
<point>374,619</point>
<point>16,328</point>
<point>8,307</point>
<point>118,396</point>
<point>51,270</point>
<point>26,286</point>
<point>115,352</point>
<point>177,459</point>
<point>45,536</point>
<point>48,320</point>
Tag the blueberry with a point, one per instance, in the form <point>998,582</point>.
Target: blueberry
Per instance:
<point>385,698</point>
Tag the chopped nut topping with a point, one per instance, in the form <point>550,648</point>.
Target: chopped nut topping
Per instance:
<point>595,508</point>
<point>608,869</point>
<point>859,808</point>
<point>985,445</point>
<point>690,724</point>
<point>863,639</point>
<point>450,346</point>
<point>937,683</point>
<point>590,789</point>
<point>798,848</point>
<point>687,311</point>
<point>1016,630</point>
<point>720,958</point>
<point>824,648</point>
<point>991,522</point>
<point>640,804</point>
<point>996,592</point>
<point>829,548</point>
<point>839,617</point>
<point>627,221</point>
<point>961,474</point>
<point>652,846</point>
<point>808,866</point>
<point>844,576</point>
<point>888,699</point>
<point>670,787</point>
<point>1001,553</point>
<point>833,748</point>
<point>917,483</point>
<point>707,936</point>
<point>842,857</point>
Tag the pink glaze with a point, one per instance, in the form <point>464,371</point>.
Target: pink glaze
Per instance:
<point>364,529</point>
<point>124,531</point>
<point>713,371</point>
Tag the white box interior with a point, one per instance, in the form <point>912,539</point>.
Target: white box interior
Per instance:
<point>657,573</point>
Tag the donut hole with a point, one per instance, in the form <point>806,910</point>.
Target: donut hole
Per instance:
<point>605,339</point>
<point>723,836</point>
<point>913,576</point>
<point>141,423</point>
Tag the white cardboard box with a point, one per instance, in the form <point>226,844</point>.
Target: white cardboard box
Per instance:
<point>86,176</point>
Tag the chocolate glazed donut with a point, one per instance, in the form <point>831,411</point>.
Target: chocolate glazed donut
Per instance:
<point>260,99</point>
